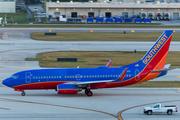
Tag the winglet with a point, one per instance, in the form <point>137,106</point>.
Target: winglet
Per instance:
<point>122,75</point>
<point>109,63</point>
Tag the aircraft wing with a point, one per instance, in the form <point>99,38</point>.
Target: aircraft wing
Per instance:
<point>91,82</point>
<point>121,77</point>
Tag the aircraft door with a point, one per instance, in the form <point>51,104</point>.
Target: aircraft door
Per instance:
<point>28,77</point>
<point>137,75</point>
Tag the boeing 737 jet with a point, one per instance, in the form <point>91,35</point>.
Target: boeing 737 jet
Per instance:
<point>73,80</point>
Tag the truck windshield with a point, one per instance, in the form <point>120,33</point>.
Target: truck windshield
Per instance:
<point>155,106</point>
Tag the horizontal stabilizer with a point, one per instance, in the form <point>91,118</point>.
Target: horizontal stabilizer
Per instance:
<point>164,70</point>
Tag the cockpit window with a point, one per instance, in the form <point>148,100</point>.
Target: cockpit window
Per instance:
<point>14,76</point>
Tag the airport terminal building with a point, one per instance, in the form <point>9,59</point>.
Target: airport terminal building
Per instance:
<point>113,8</point>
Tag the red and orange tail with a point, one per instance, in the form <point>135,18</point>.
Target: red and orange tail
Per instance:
<point>155,58</point>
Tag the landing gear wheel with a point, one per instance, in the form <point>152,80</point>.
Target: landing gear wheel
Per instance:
<point>89,93</point>
<point>86,91</point>
<point>23,93</point>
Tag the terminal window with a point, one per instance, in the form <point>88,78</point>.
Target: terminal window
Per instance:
<point>57,13</point>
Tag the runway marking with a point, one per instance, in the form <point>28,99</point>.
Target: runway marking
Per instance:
<point>119,113</point>
<point>179,76</point>
<point>59,106</point>
<point>91,30</point>
<point>1,80</point>
<point>132,31</point>
<point>174,31</point>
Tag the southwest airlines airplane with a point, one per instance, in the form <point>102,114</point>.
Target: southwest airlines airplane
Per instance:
<point>73,80</point>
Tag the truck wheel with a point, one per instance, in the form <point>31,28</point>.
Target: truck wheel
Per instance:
<point>149,112</point>
<point>169,112</point>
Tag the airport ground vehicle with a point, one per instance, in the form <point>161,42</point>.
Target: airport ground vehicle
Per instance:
<point>73,80</point>
<point>166,16</point>
<point>151,15</point>
<point>143,15</point>
<point>158,108</point>
<point>159,16</point>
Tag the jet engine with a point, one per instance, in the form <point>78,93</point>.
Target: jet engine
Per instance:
<point>67,89</point>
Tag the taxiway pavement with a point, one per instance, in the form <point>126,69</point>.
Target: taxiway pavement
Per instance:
<point>106,104</point>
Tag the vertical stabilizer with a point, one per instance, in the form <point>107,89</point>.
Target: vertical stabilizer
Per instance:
<point>156,56</point>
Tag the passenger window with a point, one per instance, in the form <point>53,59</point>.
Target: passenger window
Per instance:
<point>49,76</point>
<point>57,76</point>
<point>111,75</point>
<point>100,75</point>
<point>105,75</point>
<point>36,77</point>
<point>92,76</point>
<point>64,76</point>
<point>84,76</point>
<point>52,77</point>
<point>97,75</point>
<point>81,76</point>
<point>87,76</point>
<point>46,76</point>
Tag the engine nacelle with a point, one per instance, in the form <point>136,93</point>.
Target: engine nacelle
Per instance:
<point>67,89</point>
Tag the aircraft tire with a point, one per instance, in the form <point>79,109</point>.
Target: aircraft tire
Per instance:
<point>89,93</point>
<point>86,91</point>
<point>23,93</point>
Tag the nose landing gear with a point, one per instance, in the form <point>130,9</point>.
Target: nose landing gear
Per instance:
<point>23,93</point>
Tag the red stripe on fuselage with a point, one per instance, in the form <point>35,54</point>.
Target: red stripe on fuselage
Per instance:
<point>41,85</point>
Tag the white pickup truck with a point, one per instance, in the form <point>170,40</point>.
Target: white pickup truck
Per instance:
<point>157,108</point>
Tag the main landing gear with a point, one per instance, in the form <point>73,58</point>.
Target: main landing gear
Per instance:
<point>88,93</point>
<point>23,93</point>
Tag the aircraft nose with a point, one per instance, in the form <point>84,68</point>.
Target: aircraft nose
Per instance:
<point>5,82</point>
